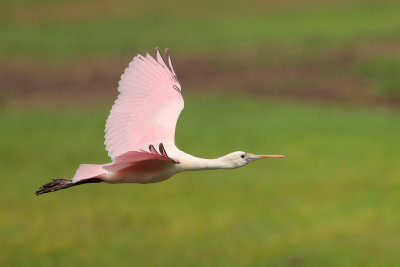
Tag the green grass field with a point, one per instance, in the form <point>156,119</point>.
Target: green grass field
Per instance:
<point>62,29</point>
<point>332,202</point>
<point>366,32</point>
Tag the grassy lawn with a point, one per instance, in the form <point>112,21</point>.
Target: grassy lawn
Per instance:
<point>61,29</point>
<point>332,202</point>
<point>365,33</point>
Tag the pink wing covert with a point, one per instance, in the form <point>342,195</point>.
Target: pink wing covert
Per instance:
<point>147,108</point>
<point>130,158</point>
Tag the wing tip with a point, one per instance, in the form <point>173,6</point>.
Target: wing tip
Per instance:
<point>169,61</point>
<point>166,60</point>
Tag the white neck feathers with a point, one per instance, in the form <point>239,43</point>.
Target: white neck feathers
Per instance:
<point>197,164</point>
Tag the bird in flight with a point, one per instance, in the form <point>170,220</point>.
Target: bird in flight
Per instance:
<point>140,132</point>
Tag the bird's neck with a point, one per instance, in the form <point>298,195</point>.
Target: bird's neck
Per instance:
<point>197,164</point>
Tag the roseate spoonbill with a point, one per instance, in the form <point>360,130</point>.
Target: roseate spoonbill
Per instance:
<point>142,119</point>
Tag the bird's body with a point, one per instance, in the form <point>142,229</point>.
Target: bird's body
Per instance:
<point>140,132</point>
<point>151,171</point>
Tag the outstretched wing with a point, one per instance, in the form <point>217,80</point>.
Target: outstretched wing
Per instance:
<point>147,107</point>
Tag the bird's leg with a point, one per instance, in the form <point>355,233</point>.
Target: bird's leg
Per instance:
<point>56,184</point>
<point>62,183</point>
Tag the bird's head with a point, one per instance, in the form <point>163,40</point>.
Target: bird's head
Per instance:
<point>240,158</point>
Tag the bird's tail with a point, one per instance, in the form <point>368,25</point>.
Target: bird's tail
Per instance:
<point>55,185</point>
<point>62,183</point>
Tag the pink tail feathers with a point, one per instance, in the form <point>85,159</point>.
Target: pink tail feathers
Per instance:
<point>86,171</point>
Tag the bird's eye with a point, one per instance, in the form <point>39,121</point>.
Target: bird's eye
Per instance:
<point>242,156</point>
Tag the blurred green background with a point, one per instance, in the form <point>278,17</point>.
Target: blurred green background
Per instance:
<point>317,82</point>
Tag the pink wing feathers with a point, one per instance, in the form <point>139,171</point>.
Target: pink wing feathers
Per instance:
<point>145,113</point>
<point>127,159</point>
<point>147,107</point>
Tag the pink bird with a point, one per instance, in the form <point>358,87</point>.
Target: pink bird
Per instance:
<point>140,132</point>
